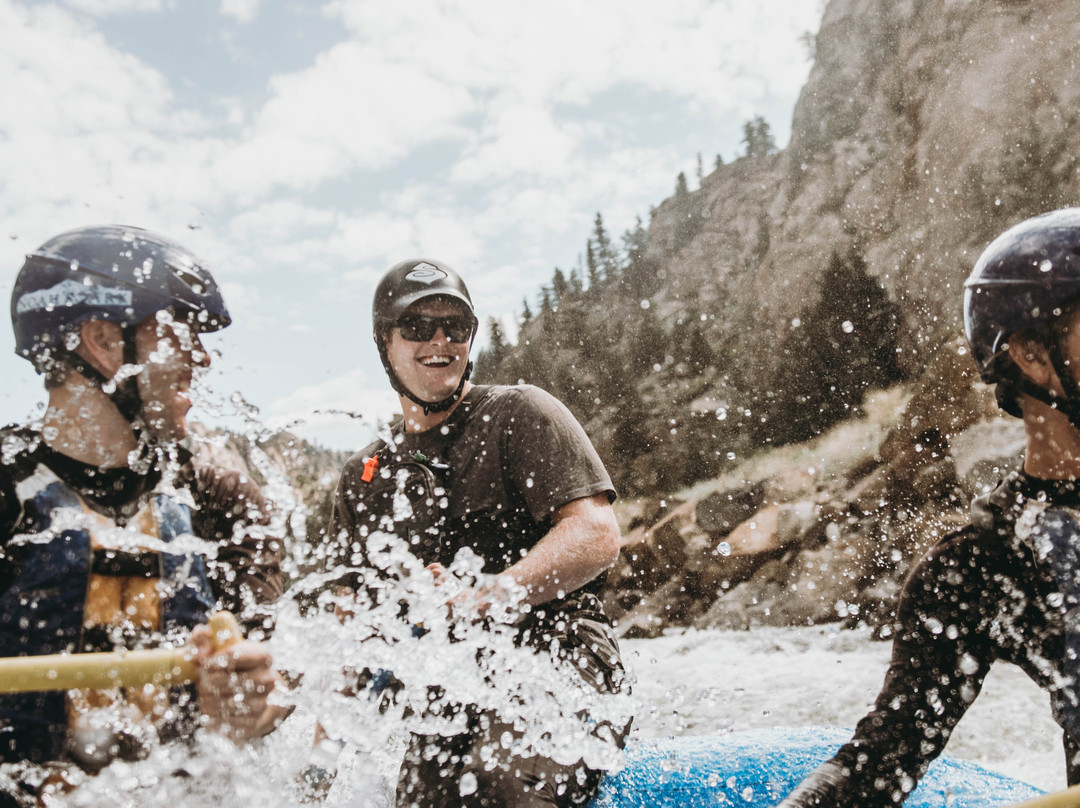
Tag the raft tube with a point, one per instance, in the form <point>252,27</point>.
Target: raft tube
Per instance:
<point>758,768</point>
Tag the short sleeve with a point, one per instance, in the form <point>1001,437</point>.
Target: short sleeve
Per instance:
<point>548,457</point>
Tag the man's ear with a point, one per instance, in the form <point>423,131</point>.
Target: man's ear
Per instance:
<point>101,344</point>
<point>1032,357</point>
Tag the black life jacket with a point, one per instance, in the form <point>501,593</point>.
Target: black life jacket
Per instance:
<point>66,567</point>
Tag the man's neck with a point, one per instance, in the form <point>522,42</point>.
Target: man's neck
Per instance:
<point>417,421</point>
<point>82,423</point>
<point>1053,444</point>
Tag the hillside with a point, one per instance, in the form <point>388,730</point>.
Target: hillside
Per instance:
<point>761,308</point>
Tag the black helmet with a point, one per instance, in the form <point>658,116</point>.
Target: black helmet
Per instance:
<point>403,285</point>
<point>410,281</point>
<point>113,273</point>
<point>1021,282</point>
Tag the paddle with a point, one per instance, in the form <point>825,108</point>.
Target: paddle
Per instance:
<point>163,666</point>
<point>1069,798</point>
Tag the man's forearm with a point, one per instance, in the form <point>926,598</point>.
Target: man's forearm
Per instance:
<point>582,544</point>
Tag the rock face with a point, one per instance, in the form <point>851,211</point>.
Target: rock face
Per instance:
<point>926,128</point>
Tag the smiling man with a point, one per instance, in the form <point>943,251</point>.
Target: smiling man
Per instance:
<point>509,474</point>
<point>93,498</point>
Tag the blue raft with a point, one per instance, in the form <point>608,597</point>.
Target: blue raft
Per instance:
<point>758,768</point>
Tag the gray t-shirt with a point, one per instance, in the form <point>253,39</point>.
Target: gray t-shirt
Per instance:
<point>507,458</point>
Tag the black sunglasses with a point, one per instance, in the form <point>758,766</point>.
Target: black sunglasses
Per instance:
<point>421,328</point>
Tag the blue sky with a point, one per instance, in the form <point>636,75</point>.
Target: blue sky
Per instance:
<point>301,148</point>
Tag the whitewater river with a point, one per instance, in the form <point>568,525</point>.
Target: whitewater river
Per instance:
<point>691,683</point>
<point>705,682</point>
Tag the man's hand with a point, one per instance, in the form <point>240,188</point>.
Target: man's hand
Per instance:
<point>476,601</point>
<point>234,684</point>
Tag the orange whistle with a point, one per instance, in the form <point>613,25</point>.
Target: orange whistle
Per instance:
<point>371,465</point>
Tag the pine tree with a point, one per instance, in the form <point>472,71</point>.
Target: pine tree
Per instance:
<point>559,286</point>
<point>547,310</point>
<point>843,345</point>
<point>719,160</point>
<point>575,285</point>
<point>757,137</point>
<point>648,344</point>
<point>639,275</point>
<point>497,345</point>
<point>699,354</point>
<point>593,267</point>
<point>681,188</point>
<point>700,170</point>
<point>604,253</point>
<point>526,313</point>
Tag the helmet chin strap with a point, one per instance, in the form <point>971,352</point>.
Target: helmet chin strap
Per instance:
<point>428,406</point>
<point>125,394</point>
<point>1069,404</point>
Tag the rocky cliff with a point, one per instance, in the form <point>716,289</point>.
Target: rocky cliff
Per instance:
<point>926,127</point>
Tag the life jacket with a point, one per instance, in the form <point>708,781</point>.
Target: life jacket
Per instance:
<point>81,583</point>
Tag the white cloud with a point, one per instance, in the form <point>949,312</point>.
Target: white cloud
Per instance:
<point>521,140</point>
<point>240,10</point>
<point>87,127</point>
<point>352,109</point>
<point>567,51</point>
<point>105,7</point>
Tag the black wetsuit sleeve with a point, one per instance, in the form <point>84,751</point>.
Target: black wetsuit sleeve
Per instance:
<point>939,661</point>
<point>9,517</point>
<point>233,513</point>
<point>9,510</point>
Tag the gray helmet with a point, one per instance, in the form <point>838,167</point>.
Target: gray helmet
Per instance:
<point>113,273</point>
<point>403,285</point>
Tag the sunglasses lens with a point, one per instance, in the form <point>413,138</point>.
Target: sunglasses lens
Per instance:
<point>457,330</point>
<point>416,329</point>
<point>422,329</point>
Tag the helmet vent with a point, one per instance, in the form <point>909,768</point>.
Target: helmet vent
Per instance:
<point>191,279</point>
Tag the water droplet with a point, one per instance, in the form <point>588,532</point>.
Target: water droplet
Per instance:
<point>468,784</point>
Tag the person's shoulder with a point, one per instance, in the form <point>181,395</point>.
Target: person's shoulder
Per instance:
<point>358,459</point>
<point>957,558</point>
<point>522,397</point>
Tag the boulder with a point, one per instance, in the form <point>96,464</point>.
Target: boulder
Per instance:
<point>987,451</point>
<point>719,512</point>
<point>771,529</point>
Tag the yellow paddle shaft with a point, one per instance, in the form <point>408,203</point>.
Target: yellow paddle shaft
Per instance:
<point>162,666</point>
<point>1069,798</point>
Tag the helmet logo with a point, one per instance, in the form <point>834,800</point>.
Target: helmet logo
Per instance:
<point>73,293</point>
<point>426,273</point>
